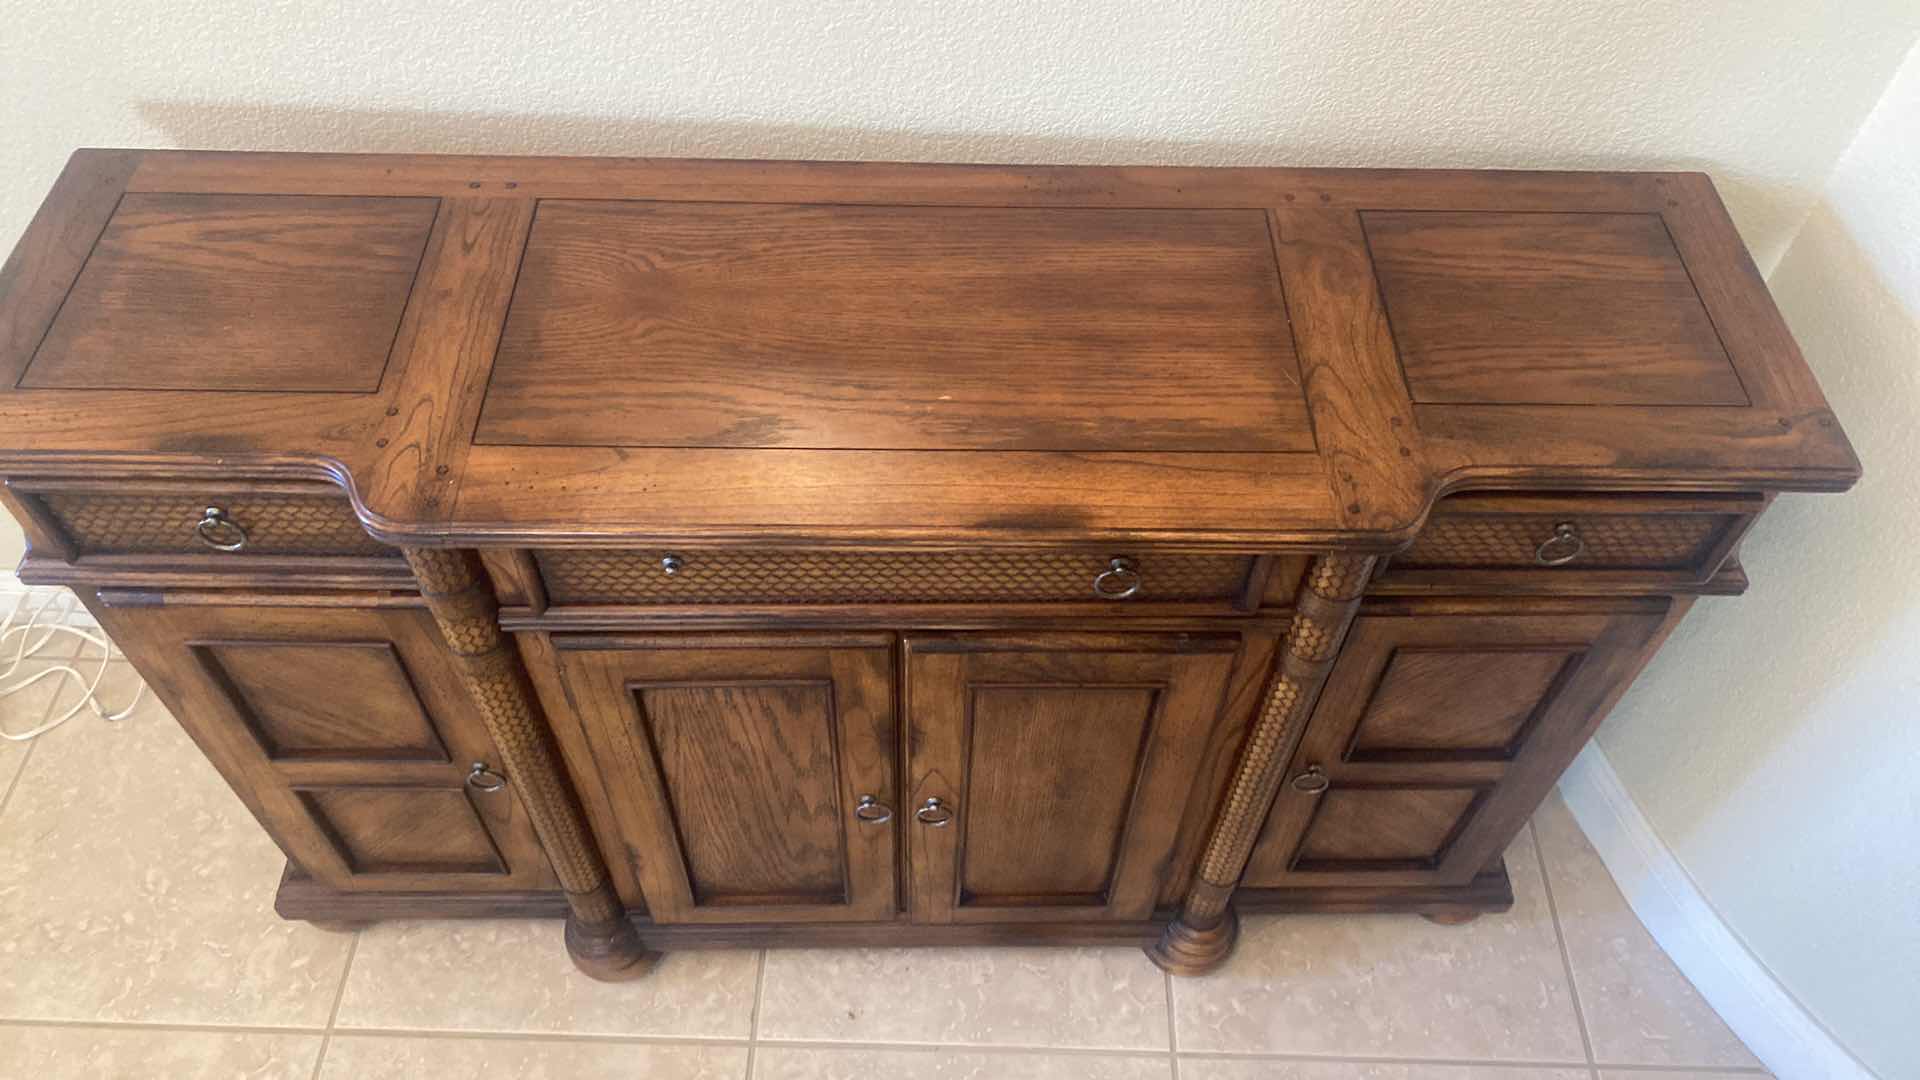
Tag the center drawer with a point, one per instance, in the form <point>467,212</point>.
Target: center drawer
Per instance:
<point>772,576</point>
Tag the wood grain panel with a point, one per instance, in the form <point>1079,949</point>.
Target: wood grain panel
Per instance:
<point>896,328</point>
<point>1546,308</point>
<point>1459,700</point>
<point>732,765</point>
<point>238,292</point>
<point>750,772</point>
<point>1360,825</point>
<point>291,696</point>
<point>1050,754</point>
<point>393,830</point>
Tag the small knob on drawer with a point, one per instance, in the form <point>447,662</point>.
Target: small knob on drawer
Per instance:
<point>481,778</point>
<point>219,531</point>
<point>1118,581</point>
<point>1561,548</point>
<point>1313,781</point>
<point>671,564</point>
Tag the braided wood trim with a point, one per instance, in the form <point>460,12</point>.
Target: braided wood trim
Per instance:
<point>836,577</point>
<point>276,524</point>
<point>1609,541</point>
<point>1328,598</point>
<point>462,603</point>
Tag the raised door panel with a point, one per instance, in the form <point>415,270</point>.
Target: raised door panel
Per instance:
<point>1050,776</point>
<point>736,765</point>
<point>349,737</point>
<point>1435,738</point>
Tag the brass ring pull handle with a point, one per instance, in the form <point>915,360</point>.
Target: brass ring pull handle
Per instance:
<point>220,532</point>
<point>1118,581</point>
<point>872,811</point>
<point>1313,781</point>
<point>481,778</point>
<point>1561,548</point>
<point>934,813</point>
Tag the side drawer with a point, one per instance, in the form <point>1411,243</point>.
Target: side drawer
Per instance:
<point>1555,542</point>
<point>172,517</point>
<point>660,576</point>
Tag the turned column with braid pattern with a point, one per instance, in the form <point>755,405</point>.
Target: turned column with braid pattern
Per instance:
<point>599,937</point>
<point>1200,939</point>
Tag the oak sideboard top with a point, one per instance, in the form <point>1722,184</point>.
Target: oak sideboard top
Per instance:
<point>575,349</point>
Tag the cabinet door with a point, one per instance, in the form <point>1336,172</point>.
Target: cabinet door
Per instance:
<point>348,735</point>
<point>752,775</point>
<point>1049,775</point>
<point>1436,737</point>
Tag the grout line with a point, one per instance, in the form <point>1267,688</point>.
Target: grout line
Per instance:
<point>1566,956</point>
<point>1364,1059</point>
<point>1655,1070</point>
<point>339,995</point>
<point>142,1025</point>
<point>966,1048</point>
<point>541,1036</point>
<point>753,1024</point>
<point>1173,1035</point>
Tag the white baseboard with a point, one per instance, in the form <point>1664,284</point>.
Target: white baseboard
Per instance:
<point>1781,1033</point>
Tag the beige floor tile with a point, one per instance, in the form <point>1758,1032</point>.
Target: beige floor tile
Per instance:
<point>113,1053</point>
<point>793,1063</point>
<point>135,886</point>
<point>370,1057</point>
<point>1639,1009</point>
<point>1221,1069</point>
<point>514,976</point>
<point>1392,986</point>
<point>1108,999</point>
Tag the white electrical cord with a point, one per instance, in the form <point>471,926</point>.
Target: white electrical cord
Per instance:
<point>27,646</point>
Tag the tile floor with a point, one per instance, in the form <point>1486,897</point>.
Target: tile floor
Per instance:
<point>118,957</point>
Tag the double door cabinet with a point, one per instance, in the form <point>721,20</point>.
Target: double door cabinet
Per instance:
<point>714,554</point>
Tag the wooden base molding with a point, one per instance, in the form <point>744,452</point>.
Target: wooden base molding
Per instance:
<point>1184,950</point>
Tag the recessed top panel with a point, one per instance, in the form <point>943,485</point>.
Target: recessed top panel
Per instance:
<point>1578,309</point>
<point>897,327</point>
<point>238,292</point>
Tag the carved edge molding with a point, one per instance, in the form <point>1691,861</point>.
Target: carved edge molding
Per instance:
<point>1203,936</point>
<point>599,937</point>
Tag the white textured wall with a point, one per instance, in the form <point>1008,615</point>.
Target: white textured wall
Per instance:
<point>1772,744</point>
<point>1775,742</point>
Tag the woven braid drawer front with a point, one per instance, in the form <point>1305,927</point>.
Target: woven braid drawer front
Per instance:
<point>1661,540</point>
<point>239,524</point>
<point>663,577</point>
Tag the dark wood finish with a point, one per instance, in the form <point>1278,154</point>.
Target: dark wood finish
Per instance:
<point>1064,763</point>
<point>1546,308</point>
<point>347,733</point>
<point>1437,735</point>
<point>738,763</point>
<point>891,422</point>
<point>896,328</point>
<point>237,292</point>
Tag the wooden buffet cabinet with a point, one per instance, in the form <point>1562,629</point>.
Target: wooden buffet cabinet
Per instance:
<point>731,553</point>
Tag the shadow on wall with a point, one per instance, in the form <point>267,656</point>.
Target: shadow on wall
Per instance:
<point>241,126</point>
<point>1833,603</point>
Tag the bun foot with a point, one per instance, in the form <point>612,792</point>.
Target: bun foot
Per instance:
<point>609,952</point>
<point>341,926</point>
<point>1450,918</point>
<point>1182,950</point>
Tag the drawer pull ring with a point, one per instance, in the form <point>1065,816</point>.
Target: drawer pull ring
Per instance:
<point>671,564</point>
<point>220,532</point>
<point>481,778</point>
<point>1313,781</point>
<point>1118,581</point>
<point>1561,548</point>
<point>934,813</point>
<point>872,811</point>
